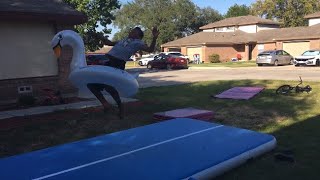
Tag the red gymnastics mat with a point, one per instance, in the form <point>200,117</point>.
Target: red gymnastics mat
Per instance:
<point>184,113</point>
<point>240,93</point>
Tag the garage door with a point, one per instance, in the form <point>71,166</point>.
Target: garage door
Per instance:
<point>296,48</point>
<point>26,50</point>
<point>194,50</point>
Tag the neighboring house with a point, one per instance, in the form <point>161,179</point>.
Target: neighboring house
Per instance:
<point>27,61</point>
<point>246,36</point>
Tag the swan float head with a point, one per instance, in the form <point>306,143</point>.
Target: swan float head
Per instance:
<point>81,74</point>
<point>73,39</point>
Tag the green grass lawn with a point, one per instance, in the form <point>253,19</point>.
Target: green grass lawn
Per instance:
<point>226,64</point>
<point>131,64</point>
<point>294,120</point>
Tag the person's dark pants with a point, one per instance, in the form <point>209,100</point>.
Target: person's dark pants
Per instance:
<point>96,89</point>
<point>115,62</point>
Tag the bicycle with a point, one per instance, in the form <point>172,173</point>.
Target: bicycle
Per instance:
<point>285,89</point>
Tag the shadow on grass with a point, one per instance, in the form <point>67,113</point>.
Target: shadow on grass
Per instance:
<point>303,139</point>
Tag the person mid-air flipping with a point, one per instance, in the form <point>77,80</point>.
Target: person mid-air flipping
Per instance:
<point>118,55</point>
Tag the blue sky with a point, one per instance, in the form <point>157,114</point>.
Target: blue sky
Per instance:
<point>220,5</point>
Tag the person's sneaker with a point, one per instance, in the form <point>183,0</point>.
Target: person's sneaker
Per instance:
<point>286,155</point>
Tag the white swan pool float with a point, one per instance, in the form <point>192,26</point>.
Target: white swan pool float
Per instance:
<point>81,74</point>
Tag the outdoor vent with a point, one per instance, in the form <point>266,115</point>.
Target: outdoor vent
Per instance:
<point>24,89</point>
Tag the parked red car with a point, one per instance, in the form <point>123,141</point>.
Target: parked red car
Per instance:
<point>169,61</point>
<point>96,59</point>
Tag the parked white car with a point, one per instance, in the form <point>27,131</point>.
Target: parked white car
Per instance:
<point>310,58</point>
<point>144,61</point>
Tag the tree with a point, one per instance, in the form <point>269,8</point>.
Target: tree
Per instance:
<point>206,16</point>
<point>146,14</point>
<point>99,12</point>
<point>237,10</point>
<point>174,18</point>
<point>288,12</point>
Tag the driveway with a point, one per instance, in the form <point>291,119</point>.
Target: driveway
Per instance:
<point>149,78</point>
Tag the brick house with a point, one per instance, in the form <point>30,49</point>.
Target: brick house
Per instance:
<point>27,61</point>
<point>246,36</point>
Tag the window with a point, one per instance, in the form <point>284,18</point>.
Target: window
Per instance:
<point>311,53</point>
<point>279,53</point>
<point>230,28</point>
<point>285,53</point>
<point>176,54</point>
<point>219,29</point>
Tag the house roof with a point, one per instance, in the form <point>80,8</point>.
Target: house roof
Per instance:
<point>50,10</point>
<point>289,34</point>
<point>240,37</point>
<point>206,38</point>
<point>314,15</point>
<point>240,20</point>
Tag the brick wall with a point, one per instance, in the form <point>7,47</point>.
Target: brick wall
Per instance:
<point>241,49</point>
<point>225,52</point>
<point>9,88</point>
<point>269,46</point>
<point>315,44</point>
<point>184,51</point>
<point>255,52</point>
<point>64,70</point>
<point>279,45</point>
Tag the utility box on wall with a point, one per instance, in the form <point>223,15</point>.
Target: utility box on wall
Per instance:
<point>24,89</point>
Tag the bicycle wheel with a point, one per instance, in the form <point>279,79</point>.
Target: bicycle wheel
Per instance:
<point>308,88</point>
<point>284,89</point>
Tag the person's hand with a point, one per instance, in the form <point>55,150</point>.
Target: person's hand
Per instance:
<point>155,32</point>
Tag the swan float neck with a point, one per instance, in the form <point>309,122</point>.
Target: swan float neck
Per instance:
<point>73,39</point>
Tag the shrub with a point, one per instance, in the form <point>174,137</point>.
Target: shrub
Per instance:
<point>214,58</point>
<point>26,100</point>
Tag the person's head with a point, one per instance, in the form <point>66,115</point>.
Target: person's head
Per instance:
<point>136,33</point>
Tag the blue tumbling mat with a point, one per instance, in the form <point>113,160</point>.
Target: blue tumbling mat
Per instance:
<point>180,148</point>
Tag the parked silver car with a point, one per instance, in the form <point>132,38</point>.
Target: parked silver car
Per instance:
<point>274,57</point>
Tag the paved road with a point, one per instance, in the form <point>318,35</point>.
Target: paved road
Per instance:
<point>149,78</point>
